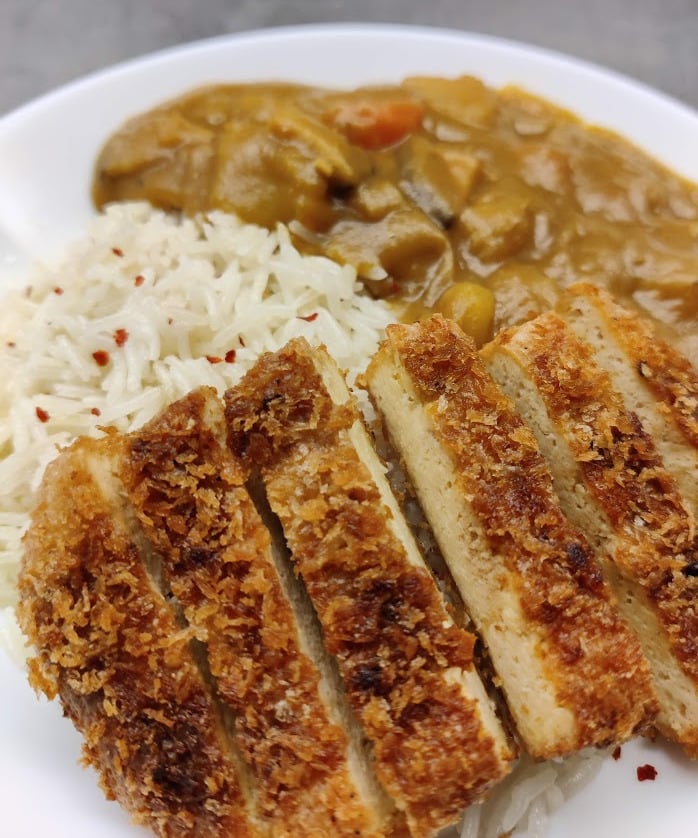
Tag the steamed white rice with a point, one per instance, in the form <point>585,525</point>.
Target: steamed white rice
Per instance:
<point>176,304</point>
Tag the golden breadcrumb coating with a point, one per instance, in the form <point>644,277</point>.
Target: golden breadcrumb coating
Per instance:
<point>382,617</point>
<point>108,644</point>
<point>187,491</point>
<point>665,370</point>
<point>590,659</point>
<point>654,538</point>
<point>658,383</point>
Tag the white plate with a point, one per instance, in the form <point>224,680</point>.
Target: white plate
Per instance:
<point>47,150</point>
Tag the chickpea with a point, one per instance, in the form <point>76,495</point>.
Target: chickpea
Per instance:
<point>471,306</point>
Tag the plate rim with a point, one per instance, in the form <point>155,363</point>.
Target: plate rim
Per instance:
<point>345,28</point>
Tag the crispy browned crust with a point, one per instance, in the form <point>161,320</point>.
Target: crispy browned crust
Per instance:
<point>108,645</point>
<point>656,547</point>
<point>498,467</point>
<point>382,617</point>
<point>188,493</point>
<point>665,371</point>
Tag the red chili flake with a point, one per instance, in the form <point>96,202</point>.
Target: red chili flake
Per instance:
<point>309,317</point>
<point>42,415</point>
<point>214,359</point>
<point>139,280</point>
<point>646,772</point>
<point>120,337</point>
<point>101,357</point>
<point>96,411</point>
<point>58,290</point>
<point>616,753</point>
<point>230,356</point>
<point>241,341</point>
<point>117,251</point>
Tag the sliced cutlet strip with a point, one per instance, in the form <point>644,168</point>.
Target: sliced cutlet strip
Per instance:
<point>572,672</point>
<point>109,645</point>
<point>437,742</point>
<point>188,493</point>
<point>612,483</point>
<point>656,381</point>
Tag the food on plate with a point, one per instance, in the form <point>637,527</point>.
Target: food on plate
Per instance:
<point>659,383</point>
<point>307,773</point>
<point>407,668</point>
<point>529,578</point>
<point>445,196</point>
<point>613,484</point>
<point>429,183</point>
<point>232,673</point>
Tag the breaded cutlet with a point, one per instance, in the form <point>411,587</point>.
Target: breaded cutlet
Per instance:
<point>407,668</point>
<point>188,493</point>
<point>611,481</point>
<point>108,644</point>
<point>656,381</point>
<point>572,673</point>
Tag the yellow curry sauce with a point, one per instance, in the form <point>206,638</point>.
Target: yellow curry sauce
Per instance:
<point>442,193</point>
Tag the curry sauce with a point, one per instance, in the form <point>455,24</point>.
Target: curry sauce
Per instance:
<point>443,193</point>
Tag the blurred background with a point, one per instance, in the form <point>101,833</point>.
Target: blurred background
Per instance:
<point>45,43</point>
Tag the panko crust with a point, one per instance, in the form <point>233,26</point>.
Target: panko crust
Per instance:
<point>668,374</point>
<point>656,541</point>
<point>108,644</point>
<point>382,617</point>
<point>189,495</point>
<point>499,469</point>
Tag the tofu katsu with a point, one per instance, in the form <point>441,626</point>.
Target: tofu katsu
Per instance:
<point>613,484</point>
<point>572,672</point>
<point>407,669</point>
<point>217,558</point>
<point>150,590</point>
<point>110,646</point>
<point>658,382</point>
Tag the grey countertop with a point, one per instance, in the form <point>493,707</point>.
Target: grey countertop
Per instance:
<point>45,43</point>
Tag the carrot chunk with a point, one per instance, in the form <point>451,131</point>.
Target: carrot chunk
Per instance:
<point>374,125</point>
